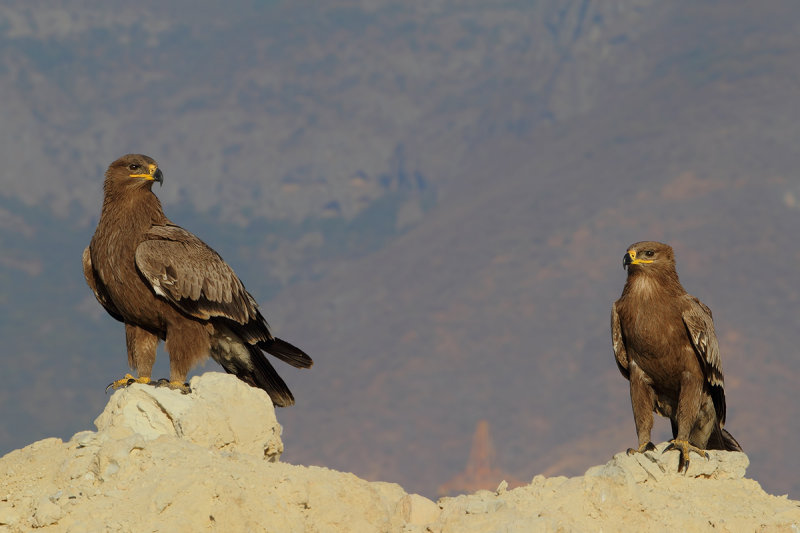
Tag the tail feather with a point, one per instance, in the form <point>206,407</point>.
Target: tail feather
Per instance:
<point>721,439</point>
<point>286,352</point>
<point>258,372</point>
<point>268,379</point>
<point>730,443</point>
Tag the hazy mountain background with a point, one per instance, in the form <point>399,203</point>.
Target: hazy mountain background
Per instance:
<point>431,198</point>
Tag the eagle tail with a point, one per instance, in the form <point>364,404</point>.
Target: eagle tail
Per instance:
<point>721,439</point>
<point>258,372</point>
<point>286,352</point>
<point>730,443</point>
<point>266,378</point>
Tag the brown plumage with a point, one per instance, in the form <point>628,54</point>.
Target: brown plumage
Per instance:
<point>165,283</point>
<point>665,345</point>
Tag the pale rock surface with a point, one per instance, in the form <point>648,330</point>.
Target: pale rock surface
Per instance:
<point>208,461</point>
<point>219,414</point>
<point>640,492</point>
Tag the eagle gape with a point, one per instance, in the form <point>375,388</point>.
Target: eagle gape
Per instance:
<point>165,283</point>
<point>665,345</point>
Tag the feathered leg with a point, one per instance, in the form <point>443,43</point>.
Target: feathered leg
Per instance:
<point>141,356</point>
<point>187,344</point>
<point>686,417</point>
<point>141,350</point>
<point>642,401</point>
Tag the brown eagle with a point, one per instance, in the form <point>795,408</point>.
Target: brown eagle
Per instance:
<point>165,283</point>
<point>665,345</point>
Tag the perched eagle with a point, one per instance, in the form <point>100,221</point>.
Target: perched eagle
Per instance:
<point>665,345</point>
<point>165,283</point>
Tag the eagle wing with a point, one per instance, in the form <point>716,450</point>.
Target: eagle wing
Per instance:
<point>620,353</point>
<point>193,277</point>
<point>197,281</point>
<point>700,326</point>
<point>96,284</point>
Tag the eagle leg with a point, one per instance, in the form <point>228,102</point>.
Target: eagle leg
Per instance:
<point>684,447</point>
<point>126,380</point>
<point>174,385</point>
<point>644,447</point>
<point>642,401</point>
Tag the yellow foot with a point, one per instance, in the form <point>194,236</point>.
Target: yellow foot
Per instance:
<point>174,385</point>
<point>646,447</point>
<point>126,380</point>
<point>685,448</point>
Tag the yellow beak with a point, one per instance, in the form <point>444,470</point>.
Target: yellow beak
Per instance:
<point>155,174</point>
<point>631,259</point>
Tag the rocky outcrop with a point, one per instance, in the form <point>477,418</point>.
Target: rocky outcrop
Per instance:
<point>642,492</point>
<point>209,461</point>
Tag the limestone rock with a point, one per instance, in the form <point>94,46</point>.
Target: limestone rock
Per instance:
<point>641,491</point>
<point>219,413</point>
<point>46,513</point>
<point>164,461</point>
<point>208,461</point>
<point>8,515</point>
<point>656,465</point>
<point>418,510</point>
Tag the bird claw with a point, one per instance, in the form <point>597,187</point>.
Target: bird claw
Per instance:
<point>684,447</point>
<point>174,385</point>
<point>126,380</point>
<point>646,447</point>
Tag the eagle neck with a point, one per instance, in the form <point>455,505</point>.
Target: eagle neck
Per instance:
<point>652,284</point>
<point>135,207</point>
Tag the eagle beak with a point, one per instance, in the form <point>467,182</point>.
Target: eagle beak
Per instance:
<point>153,174</point>
<point>631,259</point>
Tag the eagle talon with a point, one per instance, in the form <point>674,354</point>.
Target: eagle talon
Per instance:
<point>685,447</point>
<point>647,447</point>
<point>174,385</point>
<point>126,380</point>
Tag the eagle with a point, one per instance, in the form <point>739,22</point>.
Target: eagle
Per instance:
<point>665,345</point>
<point>165,284</point>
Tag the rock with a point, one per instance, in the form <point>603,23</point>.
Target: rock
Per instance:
<point>501,488</point>
<point>160,461</point>
<point>8,515</point>
<point>211,416</point>
<point>46,513</point>
<point>418,510</point>
<point>638,490</point>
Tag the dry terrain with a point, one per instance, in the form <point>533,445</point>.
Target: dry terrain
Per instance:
<point>210,461</point>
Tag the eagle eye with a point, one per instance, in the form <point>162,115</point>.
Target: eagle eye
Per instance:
<point>133,166</point>
<point>649,253</point>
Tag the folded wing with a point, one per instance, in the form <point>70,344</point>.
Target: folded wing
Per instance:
<point>196,280</point>
<point>193,277</point>
<point>700,326</point>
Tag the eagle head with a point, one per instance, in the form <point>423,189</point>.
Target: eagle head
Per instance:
<point>136,167</point>
<point>645,253</point>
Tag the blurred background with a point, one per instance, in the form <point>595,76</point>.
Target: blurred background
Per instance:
<point>431,198</point>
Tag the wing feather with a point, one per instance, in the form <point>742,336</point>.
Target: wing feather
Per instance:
<point>96,284</point>
<point>620,353</point>
<point>193,277</point>
<point>700,326</point>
